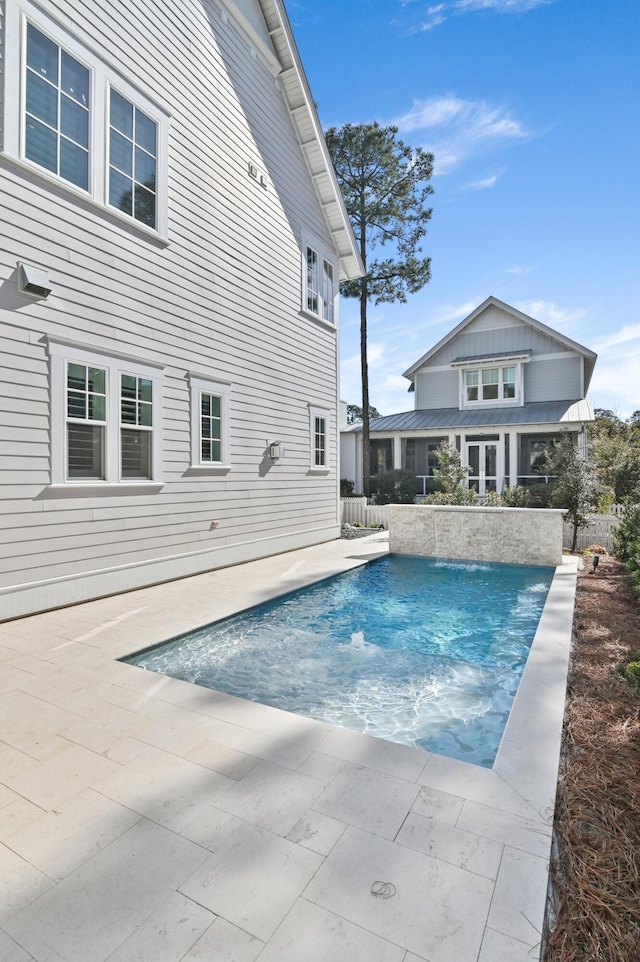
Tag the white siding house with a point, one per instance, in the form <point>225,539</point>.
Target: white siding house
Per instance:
<point>173,239</point>
<point>501,387</point>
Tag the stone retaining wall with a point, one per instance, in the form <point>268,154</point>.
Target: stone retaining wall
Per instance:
<point>510,535</point>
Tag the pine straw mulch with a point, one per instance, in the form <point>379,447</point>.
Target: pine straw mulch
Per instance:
<point>595,873</point>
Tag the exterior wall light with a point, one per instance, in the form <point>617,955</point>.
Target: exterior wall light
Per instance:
<point>276,450</point>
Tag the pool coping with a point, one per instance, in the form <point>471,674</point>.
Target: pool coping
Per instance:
<point>65,660</point>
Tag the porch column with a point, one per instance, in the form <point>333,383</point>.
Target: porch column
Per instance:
<point>514,457</point>
<point>397,452</point>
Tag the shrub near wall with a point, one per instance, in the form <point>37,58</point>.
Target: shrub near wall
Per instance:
<point>626,543</point>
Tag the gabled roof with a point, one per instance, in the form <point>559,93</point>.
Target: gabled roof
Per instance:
<point>307,126</point>
<point>435,419</point>
<point>536,325</point>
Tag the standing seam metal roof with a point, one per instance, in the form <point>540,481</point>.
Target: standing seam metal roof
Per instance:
<point>536,412</point>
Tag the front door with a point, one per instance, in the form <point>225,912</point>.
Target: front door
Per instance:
<point>482,458</point>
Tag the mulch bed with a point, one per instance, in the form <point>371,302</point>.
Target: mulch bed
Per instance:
<point>595,872</point>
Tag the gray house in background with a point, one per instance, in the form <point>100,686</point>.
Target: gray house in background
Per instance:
<point>173,240</point>
<point>501,386</point>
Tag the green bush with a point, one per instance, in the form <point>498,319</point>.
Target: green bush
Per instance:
<point>630,670</point>
<point>459,496</point>
<point>517,497</point>
<point>393,487</point>
<point>627,535</point>
<point>346,488</point>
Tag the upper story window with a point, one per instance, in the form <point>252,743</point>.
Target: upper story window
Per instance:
<point>71,118</point>
<point>132,160</point>
<point>106,418</point>
<point>491,385</point>
<point>319,287</point>
<point>56,110</point>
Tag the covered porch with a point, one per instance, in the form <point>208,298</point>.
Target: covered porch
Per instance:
<point>498,455</point>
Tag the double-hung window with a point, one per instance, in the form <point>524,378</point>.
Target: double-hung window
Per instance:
<point>319,284</point>
<point>106,415</point>
<point>319,438</point>
<point>210,423</point>
<point>70,117</point>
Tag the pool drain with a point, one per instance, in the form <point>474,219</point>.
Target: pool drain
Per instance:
<point>383,890</point>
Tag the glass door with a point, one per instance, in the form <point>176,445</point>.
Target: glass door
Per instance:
<point>482,458</point>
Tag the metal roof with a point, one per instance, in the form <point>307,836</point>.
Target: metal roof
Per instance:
<point>498,356</point>
<point>536,412</point>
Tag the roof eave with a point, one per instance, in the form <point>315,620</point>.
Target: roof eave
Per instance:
<point>311,139</point>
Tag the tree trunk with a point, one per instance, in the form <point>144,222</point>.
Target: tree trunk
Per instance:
<point>364,368</point>
<point>575,537</point>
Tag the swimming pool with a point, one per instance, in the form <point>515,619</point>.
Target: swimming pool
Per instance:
<point>424,652</point>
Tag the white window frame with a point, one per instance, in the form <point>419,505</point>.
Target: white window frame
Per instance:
<point>60,353</point>
<point>102,77</point>
<point>516,401</point>
<point>325,413</point>
<point>326,306</point>
<point>200,385</point>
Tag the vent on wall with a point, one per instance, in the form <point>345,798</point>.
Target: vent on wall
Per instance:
<point>34,280</point>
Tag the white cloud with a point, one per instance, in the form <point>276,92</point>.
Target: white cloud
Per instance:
<point>519,269</point>
<point>487,183</point>
<point>630,332</point>
<point>437,14</point>
<point>455,129</point>
<point>549,313</point>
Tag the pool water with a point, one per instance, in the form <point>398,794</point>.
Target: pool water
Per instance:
<point>424,652</point>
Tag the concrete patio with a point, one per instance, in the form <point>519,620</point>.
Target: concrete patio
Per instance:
<point>144,819</point>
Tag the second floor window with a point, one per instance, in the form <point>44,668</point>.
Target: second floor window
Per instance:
<point>56,110</point>
<point>319,284</point>
<point>132,160</point>
<point>490,384</point>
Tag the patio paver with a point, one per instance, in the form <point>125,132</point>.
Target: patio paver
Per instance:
<point>143,817</point>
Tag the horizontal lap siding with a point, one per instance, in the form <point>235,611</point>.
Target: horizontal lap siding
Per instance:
<point>221,300</point>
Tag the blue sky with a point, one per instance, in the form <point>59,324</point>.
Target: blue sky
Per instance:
<point>531,108</point>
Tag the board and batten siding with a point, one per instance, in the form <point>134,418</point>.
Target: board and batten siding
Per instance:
<point>221,300</point>
<point>482,340</point>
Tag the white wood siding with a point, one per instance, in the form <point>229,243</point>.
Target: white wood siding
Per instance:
<point>221,300</point>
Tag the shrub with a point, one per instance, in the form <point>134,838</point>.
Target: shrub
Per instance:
<point>627,533</point>
<point>517,497</point>
<point>393,487</point>
<point>493,500</point>
<point>346,488</point>
<point>459,496</point>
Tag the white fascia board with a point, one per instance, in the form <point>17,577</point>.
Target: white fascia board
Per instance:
<point>303,114</point>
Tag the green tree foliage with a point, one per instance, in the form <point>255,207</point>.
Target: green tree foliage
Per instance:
<point>576,487</point>
<point>615,448</point>
<point>451,476</point>
<point>354,413</point>
<point>385,189</point>
<point>394,487</point>
<point>626,543</point>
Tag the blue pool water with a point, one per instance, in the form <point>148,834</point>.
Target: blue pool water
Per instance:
<point>424,652</point>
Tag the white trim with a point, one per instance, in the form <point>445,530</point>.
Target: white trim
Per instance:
<point>325,414</point>
<point>102,76</point>
<point>47,593</point>
<point>517,401</point>
<point>222,389</point>
<point>114,366</point>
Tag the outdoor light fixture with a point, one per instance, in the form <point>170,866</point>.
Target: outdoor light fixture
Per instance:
<point>276,450</point>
